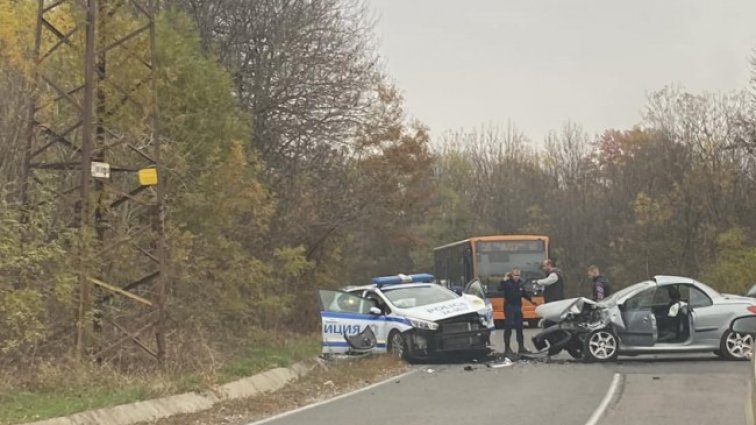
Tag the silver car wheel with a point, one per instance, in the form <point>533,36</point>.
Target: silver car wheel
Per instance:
<point>739,346</point>
<point>397,344</point>
<point>603,345</point>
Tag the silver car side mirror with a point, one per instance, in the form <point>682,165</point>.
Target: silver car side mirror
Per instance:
<point>375,311</point>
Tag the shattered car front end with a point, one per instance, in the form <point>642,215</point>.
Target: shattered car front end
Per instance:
<point>460,325</point>
<point>568,323</point>
<point>467,333</point>
<point>666,314</point>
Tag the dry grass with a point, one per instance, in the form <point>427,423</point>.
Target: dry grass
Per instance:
<point>57,388</point>
<point>332,380</point>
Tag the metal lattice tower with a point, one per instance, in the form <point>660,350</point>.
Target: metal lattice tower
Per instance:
<point>94,152</point>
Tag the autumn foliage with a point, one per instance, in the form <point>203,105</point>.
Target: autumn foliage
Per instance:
<point>292,165</point>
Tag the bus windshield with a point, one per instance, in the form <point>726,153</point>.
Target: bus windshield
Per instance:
<point>496,258</point>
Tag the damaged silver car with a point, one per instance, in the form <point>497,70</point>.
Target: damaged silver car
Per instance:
<point>667,314</point>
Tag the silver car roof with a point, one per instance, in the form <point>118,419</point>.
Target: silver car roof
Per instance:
<point>664,280</point>
<point>670,280</point>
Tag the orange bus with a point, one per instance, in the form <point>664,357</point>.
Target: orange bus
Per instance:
<point>489,258</point>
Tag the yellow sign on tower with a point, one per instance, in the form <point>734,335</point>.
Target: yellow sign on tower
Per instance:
<point>148,176</point>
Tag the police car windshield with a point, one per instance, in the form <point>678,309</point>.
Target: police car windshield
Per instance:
<point>418,296</point>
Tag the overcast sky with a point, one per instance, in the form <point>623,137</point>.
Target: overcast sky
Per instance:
<point>540,63</point>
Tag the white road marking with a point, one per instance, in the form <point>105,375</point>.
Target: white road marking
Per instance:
<point>593,420</point>
<point>320,403</point>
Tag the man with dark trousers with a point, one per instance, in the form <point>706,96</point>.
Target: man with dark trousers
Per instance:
<point>514,292</point>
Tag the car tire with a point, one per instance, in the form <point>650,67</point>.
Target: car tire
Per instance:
<point>396,345</point>
<point>576,348</point>
<point>736,346</point>
<point>601,345</point>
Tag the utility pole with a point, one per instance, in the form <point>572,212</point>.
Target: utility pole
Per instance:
<point>93,150</point>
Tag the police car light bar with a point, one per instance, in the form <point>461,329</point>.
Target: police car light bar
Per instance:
<point>402,278</point>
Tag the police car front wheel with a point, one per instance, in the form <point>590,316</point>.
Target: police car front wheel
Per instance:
<point>396,345</point>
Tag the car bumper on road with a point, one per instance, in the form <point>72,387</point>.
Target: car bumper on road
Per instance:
<point>554,337</point>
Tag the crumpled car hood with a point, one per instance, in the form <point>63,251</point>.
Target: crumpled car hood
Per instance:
<point>556,311</point>
<point>438,311</point>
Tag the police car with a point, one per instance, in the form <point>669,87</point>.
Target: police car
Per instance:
<point>408,315</point>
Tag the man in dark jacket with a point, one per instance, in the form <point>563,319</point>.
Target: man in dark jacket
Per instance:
<point>552,284</point>
<point>599,284</point>
<point>514,292</point>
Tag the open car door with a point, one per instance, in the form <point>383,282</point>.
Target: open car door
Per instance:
<point>475,287</point>
<point>639,319</point>
<point>349,323</point>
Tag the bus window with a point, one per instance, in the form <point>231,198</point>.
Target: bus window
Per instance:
<point>468,265</point>
<point>496,258</point>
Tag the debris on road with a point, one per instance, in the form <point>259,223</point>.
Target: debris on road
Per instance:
<point>429,370</point>
<point>496,365</point>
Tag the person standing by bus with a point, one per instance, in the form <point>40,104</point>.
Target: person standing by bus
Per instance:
<point>552,284</point>
<point>599,284</point>
<point>514,292</point>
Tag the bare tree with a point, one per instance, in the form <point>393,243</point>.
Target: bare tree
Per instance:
<point>305,72</point>
<point>303,69</point>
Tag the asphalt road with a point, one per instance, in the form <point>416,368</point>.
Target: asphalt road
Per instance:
<point>674,390</point>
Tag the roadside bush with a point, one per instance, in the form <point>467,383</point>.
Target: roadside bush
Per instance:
<point>733,270</point>
<point>35,283</point>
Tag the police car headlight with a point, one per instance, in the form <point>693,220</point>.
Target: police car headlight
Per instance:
<point>423,324</point>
